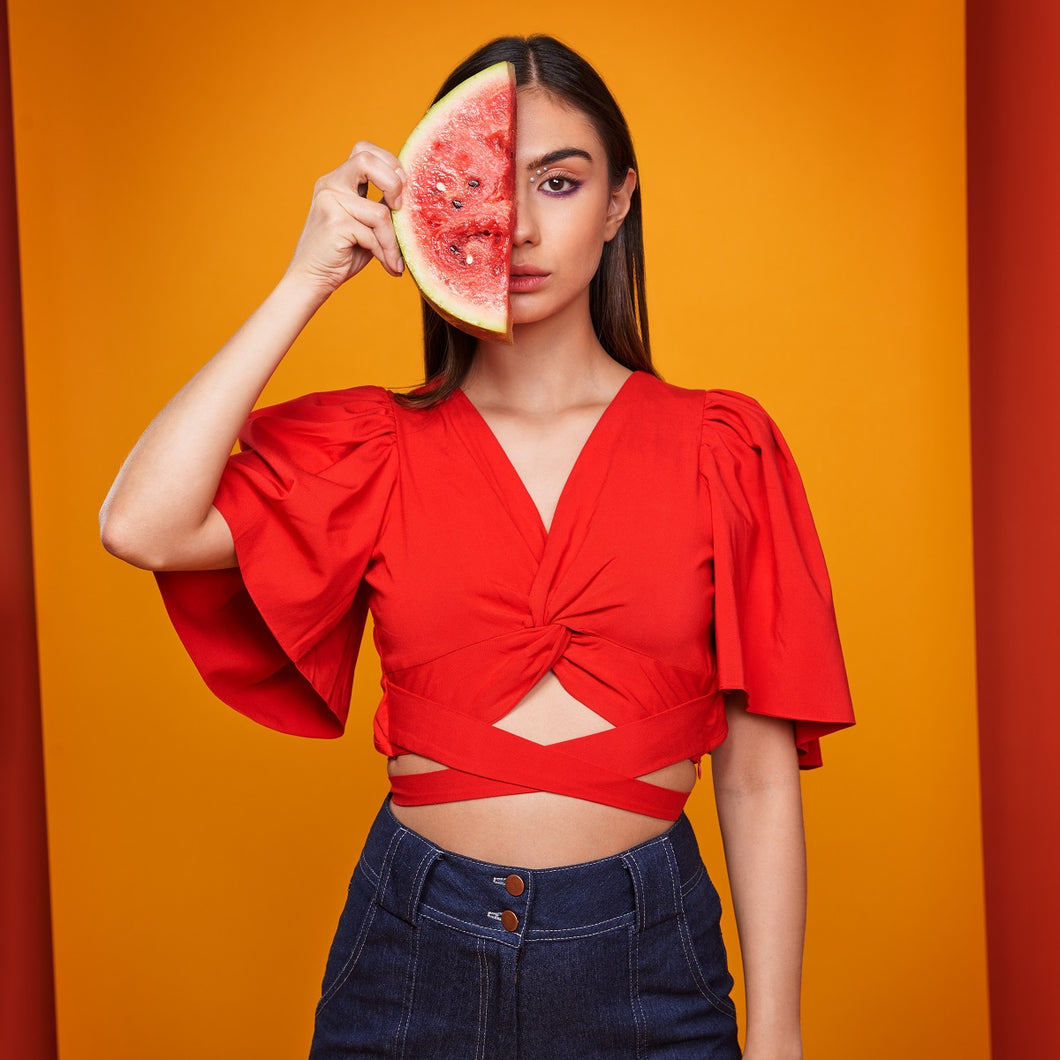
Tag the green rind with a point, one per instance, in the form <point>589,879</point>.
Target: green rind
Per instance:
<point>463,314</point>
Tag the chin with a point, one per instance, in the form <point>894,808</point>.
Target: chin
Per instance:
<point>528,315</point>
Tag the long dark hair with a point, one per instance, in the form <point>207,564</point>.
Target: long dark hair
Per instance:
<point>617,304</point>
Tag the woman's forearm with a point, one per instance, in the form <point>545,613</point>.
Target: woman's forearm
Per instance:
<point>159,511</point>
<point>757,791</point>
<point>156,513</point>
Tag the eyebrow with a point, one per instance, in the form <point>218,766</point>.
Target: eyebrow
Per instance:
<point>558,156</point>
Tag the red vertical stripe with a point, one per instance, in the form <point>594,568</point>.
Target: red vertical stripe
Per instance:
<point>1014,247</point>
<point>27,1007</point>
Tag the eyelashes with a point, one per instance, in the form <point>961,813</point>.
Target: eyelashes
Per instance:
<point>558,185</point>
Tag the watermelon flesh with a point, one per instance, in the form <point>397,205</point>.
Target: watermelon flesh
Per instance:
<point>455,223</point>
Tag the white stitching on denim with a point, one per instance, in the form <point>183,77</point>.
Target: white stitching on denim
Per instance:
<point>634,869</point>
<point>351,962</point>
<point>726,1008</point>
<point>388,863</point>
<point>635,1001</point>
<point>580,935</point>
<point>367,870</point>
<point>483,1002</point>
<point>689,884</point>
<point>581,927</point>
<point>529,897</point>
<point>638,888</point>
<point>417,879</point>
<point>675,890</point>
<point>580,932</point>
<point>442,917</point>
<point>502,939</point>
<point>401,1034</point>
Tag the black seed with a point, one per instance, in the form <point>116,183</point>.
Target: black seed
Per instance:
<point>472,183</point>
<point>457,204</point>
<point>453,249</point>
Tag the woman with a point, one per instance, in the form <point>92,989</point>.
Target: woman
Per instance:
<point>582,579</point>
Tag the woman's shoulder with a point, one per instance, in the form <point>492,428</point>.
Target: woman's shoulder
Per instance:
<point>724,415</point>
<point>331,405</point>
<point>318,429</point>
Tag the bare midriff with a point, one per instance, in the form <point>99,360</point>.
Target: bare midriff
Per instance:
<point>538,829</point>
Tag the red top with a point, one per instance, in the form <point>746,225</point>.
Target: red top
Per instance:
<point>682,560</point>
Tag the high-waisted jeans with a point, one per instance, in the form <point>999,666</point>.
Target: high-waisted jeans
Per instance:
<point>440,955</point>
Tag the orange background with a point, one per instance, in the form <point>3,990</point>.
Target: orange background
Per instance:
<point>803,171</point>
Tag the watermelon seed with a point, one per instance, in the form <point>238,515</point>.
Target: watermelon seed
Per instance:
<point>453,249</point>
<point>472,183</point>
<point>469,259</point>
<point>457,204</point>
<point>440,186</point>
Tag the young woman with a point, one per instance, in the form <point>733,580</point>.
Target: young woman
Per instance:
<point>582,580</point>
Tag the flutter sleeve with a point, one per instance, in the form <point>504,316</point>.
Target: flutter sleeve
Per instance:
<point>775,630</point>
<point>277,637</point>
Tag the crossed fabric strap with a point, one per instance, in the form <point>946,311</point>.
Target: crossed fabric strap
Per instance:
<point>602,767</point>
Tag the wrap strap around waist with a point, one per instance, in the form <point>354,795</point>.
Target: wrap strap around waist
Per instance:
<point>603,767</point>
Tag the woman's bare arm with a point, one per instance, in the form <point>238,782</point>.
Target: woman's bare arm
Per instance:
<point>756,784</point>
<point>158,513</point>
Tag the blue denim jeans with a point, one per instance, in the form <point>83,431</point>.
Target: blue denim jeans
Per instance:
<point>440,955</point>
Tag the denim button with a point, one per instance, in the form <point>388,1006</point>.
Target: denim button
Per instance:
<point>514,885</point>
<point>509,920</point>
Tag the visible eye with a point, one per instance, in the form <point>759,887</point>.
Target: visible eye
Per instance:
<point>558,184</point>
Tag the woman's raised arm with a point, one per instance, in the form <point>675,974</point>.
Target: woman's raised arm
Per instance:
<point>159,512</point>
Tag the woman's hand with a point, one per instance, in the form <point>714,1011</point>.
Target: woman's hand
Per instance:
<point>159,511</point>
<point>345,229</point>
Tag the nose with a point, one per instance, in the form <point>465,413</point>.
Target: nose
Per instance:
<point>524,230</point>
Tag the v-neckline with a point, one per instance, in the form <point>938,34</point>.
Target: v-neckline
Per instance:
<point>502,462</point>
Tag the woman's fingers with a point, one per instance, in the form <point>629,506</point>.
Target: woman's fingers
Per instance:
<point>349,189</point>
<point>370,227</point>
<point>381,168</point>
<point>366,165</point>
<point>346,228</point>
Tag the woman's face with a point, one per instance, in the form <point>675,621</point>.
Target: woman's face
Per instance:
<point>565,208</point>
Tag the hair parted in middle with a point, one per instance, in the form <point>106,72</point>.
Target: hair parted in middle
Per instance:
<point>617,302</point>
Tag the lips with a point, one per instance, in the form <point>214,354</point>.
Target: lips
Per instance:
<point>525,278</point>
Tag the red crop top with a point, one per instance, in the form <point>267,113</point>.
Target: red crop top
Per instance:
<point>682,561</point>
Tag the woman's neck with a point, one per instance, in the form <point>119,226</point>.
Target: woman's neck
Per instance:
<point>551,365</point>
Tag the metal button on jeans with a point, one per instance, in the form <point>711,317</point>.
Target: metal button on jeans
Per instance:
<point>509,920</point>
<point>514,885</point>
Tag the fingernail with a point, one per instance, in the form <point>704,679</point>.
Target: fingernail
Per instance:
<point>397,203</point>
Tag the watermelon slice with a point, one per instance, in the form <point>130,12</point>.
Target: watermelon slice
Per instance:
<point>455,222</point>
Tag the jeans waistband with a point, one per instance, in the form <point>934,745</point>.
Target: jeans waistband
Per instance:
<point>512,904</point>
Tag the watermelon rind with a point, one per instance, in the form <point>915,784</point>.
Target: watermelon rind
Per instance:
<point>484,311</point>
